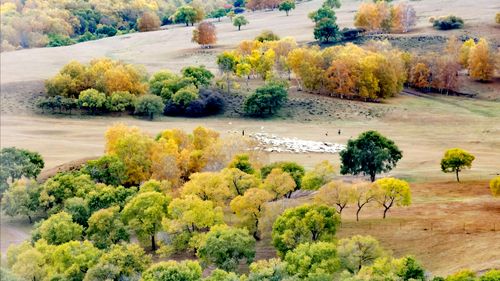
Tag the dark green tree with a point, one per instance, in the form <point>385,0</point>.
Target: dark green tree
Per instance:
<point>108,169</point>
<point>149,105</point>
<point>370,154</point>
<point>17,163</point>
<point>266,100</point>
<point>327,30</point>
<point>287,6</point>
<point>202,76</point>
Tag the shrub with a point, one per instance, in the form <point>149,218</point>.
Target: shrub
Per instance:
<point>185,96</point>
<point>92,100</point>
<point>202,76</point>
<point>106,30</point>
<point>267,35</point>
<point>149,105</point>
<point>448,22</point>
<point>266,100</point>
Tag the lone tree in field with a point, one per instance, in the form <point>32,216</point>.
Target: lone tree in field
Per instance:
<point>390,192</point>
<point>287,6</point>
<point>370,154</point>
<point>239,20</point>
<point>205,34</point>
<point>455,160</point>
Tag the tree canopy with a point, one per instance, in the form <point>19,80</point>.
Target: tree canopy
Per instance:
<point>455,160</point>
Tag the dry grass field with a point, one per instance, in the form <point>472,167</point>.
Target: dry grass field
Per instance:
<point>448,226</point>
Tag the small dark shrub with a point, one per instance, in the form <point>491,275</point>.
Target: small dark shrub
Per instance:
<point>448,22</point>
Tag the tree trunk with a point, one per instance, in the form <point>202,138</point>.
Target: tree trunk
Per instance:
<point>153,243</point>
<point>458,179</point>
<point>372,177</point>
<point>286,13</point>
<point>357,213</point>
<point>29,218</point>
<point>385,211</point>
<point>239,27</point>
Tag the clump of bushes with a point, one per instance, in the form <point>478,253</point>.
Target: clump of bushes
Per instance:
<point>267,35</point>
<point>447,22</point>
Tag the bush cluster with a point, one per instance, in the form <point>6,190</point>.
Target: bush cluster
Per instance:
<point>447,22</point>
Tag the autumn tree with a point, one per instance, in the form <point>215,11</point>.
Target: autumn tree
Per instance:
<point>420,76</point>
<point>313,261</point>
<point>144,214</point>
<point>464,52</point>
<point>279,183</point>
<point>205,34</point>
<point>287,6</point>
<point>495,186</point>
<point>106,228</point>
<point>358,251</point>
<point>250,207</point>
<point>306,223</point>
<point>322,173</point>
<point>207,186</point>
<point>239,20</point>
<point>272,269</point>
<point>227,62</point>
<point>404,17</point>
<point>391,192</point>
<point>239,182</point>
<point>370,154</point>
<point>59,229</point>
<point>373,17</point>
<point>335,193</point>
<point>173,271</point>
<point>455,160</point>
<point>362,194</point>
<point>149,21</point>
<point>481,62</point>
<point>225,246</point>
<point>22,198</point>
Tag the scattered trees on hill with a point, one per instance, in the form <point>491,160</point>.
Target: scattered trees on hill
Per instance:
<point>370,154</point>
<point>455,160</point>
<point>239,20</point>
<point>205,34</point>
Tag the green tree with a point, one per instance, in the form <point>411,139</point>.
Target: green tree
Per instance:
<point>159,80</point>
<point>121,262</point>
<point>22,198</point>
<point>411,269</point>
<point>322,13</point>
<point>219,13</point>
<point>370,154</point>
<point>221,275</point>
<point>17,163</point>
<point>313,261</point>
<point>202,76</point>
<point>106,228</point>
<point>332,3</point>
<point>266,100</point>
<point>495,186</point>
<point>327,30</point>
<point>185,96</point>
<point>105,196</point>
<point>462,275</point>
<point>358,251</point>
<point>78,209</point>
<point>92,100</point>
<point>173,271</point>
<point>185,14</point>
<point>149,105</point>
<point>59,229</point>
<point>144,213</point>
<point>306,223</point>
<point>239,20</point>
<point>390,192</point>
<point>120,101</point>
<point>108,169</point>
<point>225,246</point>
<point>71,260</point>
<point>287,6</point>
<point>493,274</point>
<point>242,163</point>
<point>455,160</point>
<point>250,207</point>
